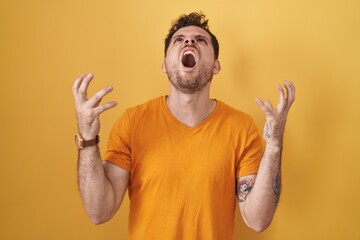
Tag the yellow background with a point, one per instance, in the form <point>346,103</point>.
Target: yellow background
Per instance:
<point>45,45</point>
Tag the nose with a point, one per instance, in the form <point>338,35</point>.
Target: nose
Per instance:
<point>190,41</point>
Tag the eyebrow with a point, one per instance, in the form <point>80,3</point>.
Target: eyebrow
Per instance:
<point>196,36</point>
<point>180,35</point>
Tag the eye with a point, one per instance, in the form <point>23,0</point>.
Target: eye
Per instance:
<point>178,39</point>
<point>202,40</point>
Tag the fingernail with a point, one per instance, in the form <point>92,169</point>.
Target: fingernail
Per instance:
<point>89,75</point>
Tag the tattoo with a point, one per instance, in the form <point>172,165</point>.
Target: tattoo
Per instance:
<point>277,188</point>
<point>267,130</point>
<point>243,188</point>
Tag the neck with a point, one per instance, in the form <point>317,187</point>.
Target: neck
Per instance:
<point>190,109</point>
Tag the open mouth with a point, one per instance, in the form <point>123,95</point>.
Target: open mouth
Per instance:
<point>188,59</point>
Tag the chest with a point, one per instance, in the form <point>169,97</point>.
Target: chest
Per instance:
<point>163,159</point>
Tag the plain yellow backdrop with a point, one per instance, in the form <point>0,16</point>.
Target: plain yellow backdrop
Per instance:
<point>45,45</point>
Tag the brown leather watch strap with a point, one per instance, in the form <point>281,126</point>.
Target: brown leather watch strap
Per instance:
<point>82,143</point>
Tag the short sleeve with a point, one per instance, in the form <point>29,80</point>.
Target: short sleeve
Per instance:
<point>252,152</point>
<point>118,148</point>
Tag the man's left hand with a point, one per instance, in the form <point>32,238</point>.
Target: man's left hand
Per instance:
<point>276,117</point>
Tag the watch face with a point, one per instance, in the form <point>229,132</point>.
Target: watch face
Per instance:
<point>79,141</point>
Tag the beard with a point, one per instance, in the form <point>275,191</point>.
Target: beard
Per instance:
<point>189,83</point>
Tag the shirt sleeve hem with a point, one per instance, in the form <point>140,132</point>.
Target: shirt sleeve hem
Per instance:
<point>119,164</point>
<point>245,173</point>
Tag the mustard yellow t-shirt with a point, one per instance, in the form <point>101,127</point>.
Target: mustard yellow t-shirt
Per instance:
<point>182,182</point>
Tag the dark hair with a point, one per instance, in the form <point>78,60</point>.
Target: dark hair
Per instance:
<point>192,19</point>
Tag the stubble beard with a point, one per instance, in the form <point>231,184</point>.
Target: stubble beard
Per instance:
<point>189,83</point>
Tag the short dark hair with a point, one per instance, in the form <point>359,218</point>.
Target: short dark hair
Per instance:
<point>192,19</point>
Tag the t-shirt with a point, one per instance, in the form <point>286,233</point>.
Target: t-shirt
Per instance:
<point>183,179</point>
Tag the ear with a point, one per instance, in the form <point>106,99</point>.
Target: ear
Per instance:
<point>163,68</point>
<point>217,67</point>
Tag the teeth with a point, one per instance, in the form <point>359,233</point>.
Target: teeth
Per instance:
<point>189,52</point>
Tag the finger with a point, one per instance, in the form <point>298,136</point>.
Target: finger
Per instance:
<point>95,100</point>
<point>266,109</point>
<point>282,104</point>
<point>102,108</point>
<point>77,83</point>
<point>84,86</point>
<point>268,103</point>
<point>293,87</point>
<point>290,90</point>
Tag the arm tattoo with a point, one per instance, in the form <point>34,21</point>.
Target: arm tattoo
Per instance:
<point>267,130</point>
<point>277,188</point>
<point>243,188</point>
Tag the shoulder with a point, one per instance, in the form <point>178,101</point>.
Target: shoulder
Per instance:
<point>139,113</point>
<point>233,114</point>
<point>145,108</point>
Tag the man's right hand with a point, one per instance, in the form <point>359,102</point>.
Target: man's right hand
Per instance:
<point>102,184</point>
<point>89,110</point>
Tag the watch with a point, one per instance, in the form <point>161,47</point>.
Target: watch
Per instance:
<point>82,143</point>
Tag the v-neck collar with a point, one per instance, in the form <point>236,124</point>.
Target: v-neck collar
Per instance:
<point>191,130</point>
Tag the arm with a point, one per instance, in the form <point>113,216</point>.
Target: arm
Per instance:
<point>259,194</point>
<point>102,185</point>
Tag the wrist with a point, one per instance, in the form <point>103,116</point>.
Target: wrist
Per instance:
<point>274,147</point>
<point>87,133</point>
<point>82,142</point>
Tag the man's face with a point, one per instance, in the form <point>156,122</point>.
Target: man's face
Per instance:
<point>189,61</point>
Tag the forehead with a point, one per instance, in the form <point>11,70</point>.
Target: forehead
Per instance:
<point>192,30</point>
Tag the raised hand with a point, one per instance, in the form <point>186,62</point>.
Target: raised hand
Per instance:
<point>89,110</point>
<point>276,117</point>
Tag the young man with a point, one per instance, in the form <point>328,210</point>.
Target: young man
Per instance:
<point>183,157</point>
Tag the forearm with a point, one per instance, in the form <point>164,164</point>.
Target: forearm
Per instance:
<point>96,190</point>
<point>260,205</point>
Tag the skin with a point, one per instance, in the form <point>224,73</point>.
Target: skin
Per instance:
<point>190,109</point>
<point>258,205</point>
<point>103,185</point>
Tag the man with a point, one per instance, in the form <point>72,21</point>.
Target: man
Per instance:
<point>183,157</point>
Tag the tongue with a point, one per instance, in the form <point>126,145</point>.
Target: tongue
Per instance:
<point>188,61</point>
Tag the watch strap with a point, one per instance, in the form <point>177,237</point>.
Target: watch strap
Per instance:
<point>82,143</point>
